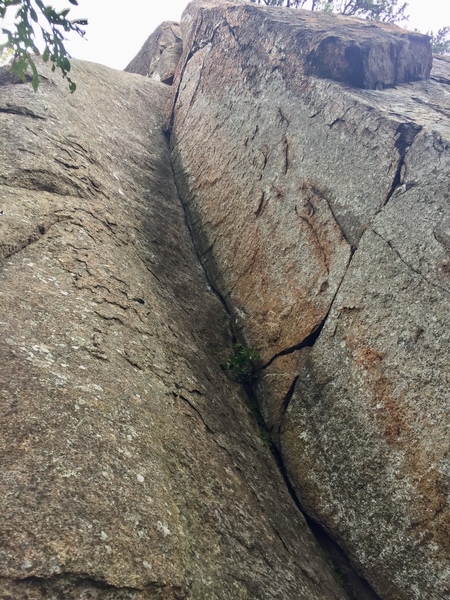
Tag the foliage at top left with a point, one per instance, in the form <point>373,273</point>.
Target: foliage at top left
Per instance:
<point>38,30</point>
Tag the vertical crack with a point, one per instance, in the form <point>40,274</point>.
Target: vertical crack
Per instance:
<point>262,204</point>
<point>200,255</point>
<point>173,101</point>
<point>288,397</point>
<point>356,586</point>
<point>347,573</point>
<point>286,154</point>
<point>404,137</point>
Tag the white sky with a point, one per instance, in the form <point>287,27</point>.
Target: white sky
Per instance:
<point>115,35</point>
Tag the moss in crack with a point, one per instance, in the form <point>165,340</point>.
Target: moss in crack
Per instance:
<point>243,365</point>
<point>265,435</point>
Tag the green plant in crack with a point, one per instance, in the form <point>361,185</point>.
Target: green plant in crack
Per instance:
<point>265,435</point>
<point>242,364</point>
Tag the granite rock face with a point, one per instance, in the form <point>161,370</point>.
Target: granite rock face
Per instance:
<point>159,56</point>
<point>130,465</point>
<point>319,202</point>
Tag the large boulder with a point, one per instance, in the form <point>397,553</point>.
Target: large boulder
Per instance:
<point>158,58</point>
<point>288,144</point>
<point>131,467</point>
<point>319,204</point>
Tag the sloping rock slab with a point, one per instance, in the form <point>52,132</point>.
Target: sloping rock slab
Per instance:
<point>130,466</point>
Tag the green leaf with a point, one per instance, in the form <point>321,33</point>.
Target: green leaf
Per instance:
<point>39,29</point>
<point>65,64</point>
<point>35,80</point>
<point>243,364</point>
<point>19,67</point>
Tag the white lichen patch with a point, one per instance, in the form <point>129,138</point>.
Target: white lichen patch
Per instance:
<point>162,528</point>
<point>125,452</point>
<point>40,348</point>
<point>89,387</point>
<point>59,378</point>
<point>70,473</point>
<point>54,566</point>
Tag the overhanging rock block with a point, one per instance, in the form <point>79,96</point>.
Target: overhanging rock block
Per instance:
<point>346,49</point>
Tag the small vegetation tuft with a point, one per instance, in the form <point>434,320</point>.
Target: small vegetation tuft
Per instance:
<point>243,364</point>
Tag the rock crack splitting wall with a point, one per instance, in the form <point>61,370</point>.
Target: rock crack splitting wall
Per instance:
<point>319,204</point>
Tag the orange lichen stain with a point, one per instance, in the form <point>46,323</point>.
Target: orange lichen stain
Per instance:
<point>429,507</point>
<point>368,357</point>
<point>391,416</point>
<point>387,409</point>
<point>432,509</point>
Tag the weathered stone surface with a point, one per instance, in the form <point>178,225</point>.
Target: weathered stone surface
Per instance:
<point>275,384</point>
<point>380,376</point>
<point>159,56</point>
<point>365,437</point>
<point>263,180</point>
<point>354,51</point>
<point>130,466</point>
<point>315,203</point>
<point>364,54</point>
<point>440,68</point>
